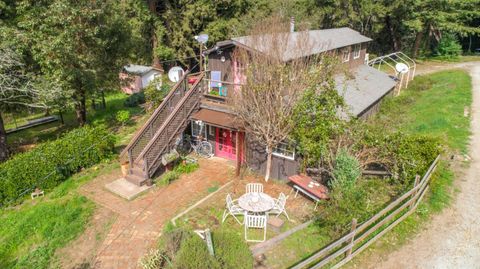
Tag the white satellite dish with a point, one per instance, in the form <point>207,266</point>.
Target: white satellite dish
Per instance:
<point>175,73</point>
<point>203,38</point>
<point>401,68</point>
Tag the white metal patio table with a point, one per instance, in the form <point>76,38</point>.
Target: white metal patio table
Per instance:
<point>256,202</point>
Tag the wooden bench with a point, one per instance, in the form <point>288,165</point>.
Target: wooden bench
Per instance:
<point>309,187</point>
<point>37,193</point>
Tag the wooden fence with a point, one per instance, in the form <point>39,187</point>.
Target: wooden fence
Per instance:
<point>360,236</point>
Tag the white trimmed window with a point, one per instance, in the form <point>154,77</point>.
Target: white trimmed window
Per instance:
<point>285,150</point>
<point>199,128</point>
<point>345,54</point>
<point>356,51</point>
<point>211,130</point>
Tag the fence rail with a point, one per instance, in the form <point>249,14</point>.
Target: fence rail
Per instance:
<point>359,238</point>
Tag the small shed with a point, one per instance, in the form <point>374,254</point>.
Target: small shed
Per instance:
<point>134,78</point>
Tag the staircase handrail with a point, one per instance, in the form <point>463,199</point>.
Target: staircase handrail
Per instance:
<point>148,147</point>
<point>154,116</point>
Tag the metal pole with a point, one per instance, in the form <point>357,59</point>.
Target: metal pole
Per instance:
<point>201,60</point>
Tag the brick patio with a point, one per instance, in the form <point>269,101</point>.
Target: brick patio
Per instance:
<point>140,222</point>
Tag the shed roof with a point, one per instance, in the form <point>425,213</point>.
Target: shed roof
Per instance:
<point>365,89</point>
<point>138,69</point>
<point>319,41</point>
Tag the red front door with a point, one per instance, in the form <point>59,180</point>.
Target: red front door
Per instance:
<point>225,143</point>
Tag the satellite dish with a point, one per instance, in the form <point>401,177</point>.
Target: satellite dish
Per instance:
<point>401,68</point>
<point>175,73</point>
<point>203,38</point>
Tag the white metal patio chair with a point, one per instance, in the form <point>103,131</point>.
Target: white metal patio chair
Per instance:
<point>254,187</point>
<point>232,210</point>
<point>255,222</point>
<point>279,206</point>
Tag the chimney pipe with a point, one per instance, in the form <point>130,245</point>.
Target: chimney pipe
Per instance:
<point>292,24</point>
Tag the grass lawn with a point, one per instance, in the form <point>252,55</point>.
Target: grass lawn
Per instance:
<point>433,105</point>
<point>31,233</point>
<point>22,140</point>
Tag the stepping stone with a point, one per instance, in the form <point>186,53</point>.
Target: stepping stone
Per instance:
<point>275,224</point>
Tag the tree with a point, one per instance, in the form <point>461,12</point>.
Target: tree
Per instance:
<point>273,85</point>
<point>18,88</point>
<point>317,118</point>
<point>80,44</point>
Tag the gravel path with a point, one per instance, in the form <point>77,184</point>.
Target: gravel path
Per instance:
<point>452,239</point>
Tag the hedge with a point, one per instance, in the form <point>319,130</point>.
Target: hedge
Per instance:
<point>52,162</point>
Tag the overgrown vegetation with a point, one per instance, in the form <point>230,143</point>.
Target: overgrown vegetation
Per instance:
<point>182,168</point>
<point>154,94</point>
<point>448,48</point>
<point>427,118</point>
<point>183,249</point>
<point>51,163</point>
<point>135,99</point>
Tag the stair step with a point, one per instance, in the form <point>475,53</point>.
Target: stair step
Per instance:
<point>137,180</point>
<point>135,170</point>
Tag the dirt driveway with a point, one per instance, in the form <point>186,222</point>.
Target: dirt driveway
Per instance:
<point>452,239</point>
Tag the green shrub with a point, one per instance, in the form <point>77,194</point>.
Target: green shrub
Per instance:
<point>123,116</point>
<point>347,171</point>
<point>361,202</point>
<point>155,96</point>
<point>449,47</point>
<point>135,99</point>
<point>186,168</point>
<point>52,162</point>
<point>193,254</point>
<point>231,251</point>
<point>168,177</point>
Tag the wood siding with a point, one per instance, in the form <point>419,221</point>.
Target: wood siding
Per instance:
<point>256,159</point>
<point>215,64</point>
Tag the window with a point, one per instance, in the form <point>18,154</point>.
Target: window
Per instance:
<point>211,130</point>
<point>285,150</point>
<point>346,54</point>
<point>356,51</point>
<point>198,128</point>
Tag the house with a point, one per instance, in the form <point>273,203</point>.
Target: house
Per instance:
<point>202,109</point>
<point>134,78</point>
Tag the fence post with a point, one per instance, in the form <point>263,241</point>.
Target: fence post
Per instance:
<point>352,229</point>
<point>415,184</point>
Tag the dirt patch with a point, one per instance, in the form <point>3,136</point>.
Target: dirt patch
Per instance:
<point>81,252</point>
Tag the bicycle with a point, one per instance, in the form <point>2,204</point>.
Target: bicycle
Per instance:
<point>200,146</point>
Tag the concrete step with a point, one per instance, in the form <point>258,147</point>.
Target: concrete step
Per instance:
<point>135,179</point>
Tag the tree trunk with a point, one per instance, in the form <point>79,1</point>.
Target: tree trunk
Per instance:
<point>416,45</point>
<point>269,164</point>
<point>395,41</point>
<point>152,5</point>
<point>81,108</point>
<point>3,141</point>
<point>60,113</point>
<point>104,103</point>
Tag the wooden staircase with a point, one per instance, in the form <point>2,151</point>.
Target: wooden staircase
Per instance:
<point>157,136</point>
